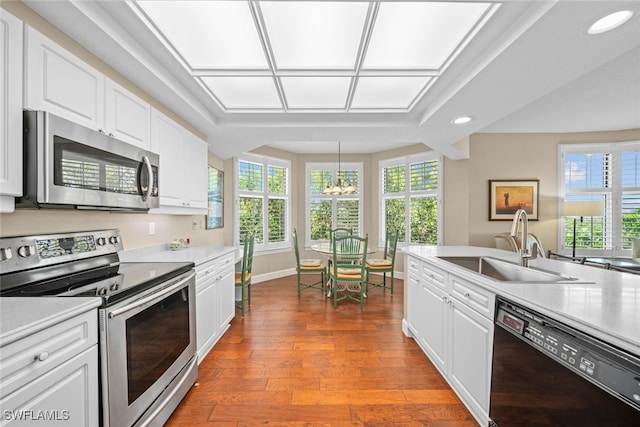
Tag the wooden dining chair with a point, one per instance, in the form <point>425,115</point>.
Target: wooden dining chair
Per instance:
<point>385,264</point>
<point>338,232</point>
<point>243,277</point>
<point>348,273</point>
<point>308,267</point>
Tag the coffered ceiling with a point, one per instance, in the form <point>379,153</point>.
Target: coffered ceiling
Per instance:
<point>341,57</point>
<point>302,75</point>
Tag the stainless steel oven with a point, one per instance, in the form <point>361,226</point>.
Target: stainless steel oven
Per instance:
<point>71,166</point>
<point>147,335</point>
<point>548,374</point>
<point>150,339</point>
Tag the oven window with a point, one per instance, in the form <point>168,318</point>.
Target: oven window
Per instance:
<point>156,337</point>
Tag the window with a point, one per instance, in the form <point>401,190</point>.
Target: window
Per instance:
<point>263,204</point>
<point>608,173</point>
<point>327,211</point>
<point>410,198</point>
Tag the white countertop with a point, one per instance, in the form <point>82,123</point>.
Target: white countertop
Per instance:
<point>21,317</point>
<point>602,303</point>
<point>161,253</point>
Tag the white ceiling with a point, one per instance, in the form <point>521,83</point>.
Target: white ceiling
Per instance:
<point>531,67</point>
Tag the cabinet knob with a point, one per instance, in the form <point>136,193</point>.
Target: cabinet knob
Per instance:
<point>5,254</point>
<point>26,251</point>
<point>467,295</point>
<point>42,356</point>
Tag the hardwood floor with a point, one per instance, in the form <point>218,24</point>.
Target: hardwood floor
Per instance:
<point>297,361</point>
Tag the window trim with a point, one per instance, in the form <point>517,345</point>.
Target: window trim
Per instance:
<point>614,192</point>
<point>407,195</point>
<point>265,161</point>
<point>359,166</point>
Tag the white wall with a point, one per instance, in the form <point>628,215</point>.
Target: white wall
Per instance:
<point>522,156</point>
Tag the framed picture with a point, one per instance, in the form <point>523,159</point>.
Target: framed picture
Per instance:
<point>507,196</point>
<point>215,199</point>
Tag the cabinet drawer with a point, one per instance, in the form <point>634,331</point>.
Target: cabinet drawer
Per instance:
<point>206,271</point>
<point>434,276</point>
<point>414,266</point>
<point>67,393</point>
<point>473,296</point>
<point>25,360</point>
<point>226,261</point>
<point>213,268</point>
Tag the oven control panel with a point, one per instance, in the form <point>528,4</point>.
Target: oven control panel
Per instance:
<point>26,252</point>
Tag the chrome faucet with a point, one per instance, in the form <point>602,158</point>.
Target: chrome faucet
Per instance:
<point>525,255</point>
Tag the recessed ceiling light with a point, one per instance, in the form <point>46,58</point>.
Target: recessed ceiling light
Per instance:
<point>609,22</point>
<point>461,120</point>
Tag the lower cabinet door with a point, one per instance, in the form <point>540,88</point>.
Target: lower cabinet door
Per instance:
<point>433,331</point>
<point>66,395</point>
<point>226,299</point>
<point>206,311</point>
<point>470,352</point>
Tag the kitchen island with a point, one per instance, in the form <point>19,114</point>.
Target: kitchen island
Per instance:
<point>451,294</point>
<point>602,303</point>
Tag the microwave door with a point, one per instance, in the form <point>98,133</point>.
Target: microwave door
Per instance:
<point>78,167</point>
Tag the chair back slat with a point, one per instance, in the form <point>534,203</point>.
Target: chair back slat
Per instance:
<point>390,246</point>
<point>350,251</point>
<point>247,258</point>
<point>295,245</point>
<point>339,232</point>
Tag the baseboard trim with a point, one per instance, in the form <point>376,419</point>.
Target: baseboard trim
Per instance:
<point>291,271</point>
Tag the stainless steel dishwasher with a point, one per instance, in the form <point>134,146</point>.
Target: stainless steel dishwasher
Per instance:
<point>548,374</point>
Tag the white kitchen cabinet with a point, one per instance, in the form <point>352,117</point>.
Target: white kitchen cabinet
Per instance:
<point>52,373</point>
<point>183,167</point>
<point>127,117</point>
<point>10,110</point>
<point>470,350</point>
<point>214,302</point>
<point>452,321</point>
<point>59,82</point>
<point>433,334</point>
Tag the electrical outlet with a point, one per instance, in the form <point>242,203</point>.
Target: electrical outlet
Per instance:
<point>195,225</point>
<point>152,228</point>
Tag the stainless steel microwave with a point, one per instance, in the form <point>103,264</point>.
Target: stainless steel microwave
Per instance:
<point>67,165</point>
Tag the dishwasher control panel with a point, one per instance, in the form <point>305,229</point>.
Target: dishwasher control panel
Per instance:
<point>607,367</point>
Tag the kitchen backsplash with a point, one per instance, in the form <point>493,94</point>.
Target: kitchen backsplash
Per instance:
<point>138,229</point>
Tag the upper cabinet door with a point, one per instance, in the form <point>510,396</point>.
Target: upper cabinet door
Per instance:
<point>167,142</point>
<point>59,82</point>
<point>10,110</point>
<point>127,117</point>
<point>183,167</point>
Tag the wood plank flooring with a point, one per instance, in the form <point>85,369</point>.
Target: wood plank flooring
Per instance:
<point>297,361</point>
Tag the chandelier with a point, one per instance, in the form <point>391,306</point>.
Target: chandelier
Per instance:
<point>337,189</point>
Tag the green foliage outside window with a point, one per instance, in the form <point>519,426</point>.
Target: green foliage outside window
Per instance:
<point>590,233</point>
<point>251,218</point>
<point>424,221</point>
<point>320,219</point>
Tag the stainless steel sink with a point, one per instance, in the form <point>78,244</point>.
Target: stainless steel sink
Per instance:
<point>505,271</point>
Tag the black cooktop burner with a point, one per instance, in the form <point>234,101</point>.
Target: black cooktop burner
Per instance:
<point>112,283</point>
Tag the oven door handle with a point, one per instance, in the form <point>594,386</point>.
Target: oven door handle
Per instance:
<point>151,298</point>
<point>147,164</point>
